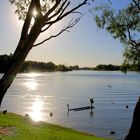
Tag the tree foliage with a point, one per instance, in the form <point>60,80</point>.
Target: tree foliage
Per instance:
<point>123,24</point>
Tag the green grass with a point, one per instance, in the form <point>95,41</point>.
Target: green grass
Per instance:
<point>25,129</point>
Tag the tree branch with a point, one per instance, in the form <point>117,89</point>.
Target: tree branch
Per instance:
<point>72,10</point>
<point>70,25</point>
<point>133,42</point>
<point>52,9</point>
<point>62,8</point>
<point>60,16</point>
<point>67,13</point>
<point>137,5</point>
<point>46,28</point>
<point>59,12</point>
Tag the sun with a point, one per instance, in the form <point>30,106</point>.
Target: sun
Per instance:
<point>34,13</point>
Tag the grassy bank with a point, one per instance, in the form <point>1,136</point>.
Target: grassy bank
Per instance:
<point>16,127</point>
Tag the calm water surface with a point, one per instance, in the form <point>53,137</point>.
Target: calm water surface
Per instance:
<point>38,94</point>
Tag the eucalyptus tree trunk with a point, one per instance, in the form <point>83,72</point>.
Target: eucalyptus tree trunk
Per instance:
<point>20,54</point>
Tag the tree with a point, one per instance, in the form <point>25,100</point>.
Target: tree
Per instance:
<point>62,68</point>
<point>124,24</point>
<point>38,16</point>
<point>109,67</point>
<point>50,66</point>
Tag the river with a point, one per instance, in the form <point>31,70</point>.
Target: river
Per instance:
<point>39,94</point>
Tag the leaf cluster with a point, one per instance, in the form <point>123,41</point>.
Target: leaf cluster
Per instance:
<point>23,5</point>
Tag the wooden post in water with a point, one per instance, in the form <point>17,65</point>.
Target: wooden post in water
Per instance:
<point>91,102</point>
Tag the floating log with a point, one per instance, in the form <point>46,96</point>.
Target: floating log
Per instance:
<point>80,108</point>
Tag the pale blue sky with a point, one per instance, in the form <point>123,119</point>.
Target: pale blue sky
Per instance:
<point>85,45</point>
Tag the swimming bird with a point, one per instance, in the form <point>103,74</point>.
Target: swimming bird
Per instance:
<point>126,106</point>
<point>109,86</point>
<point>51,114</point>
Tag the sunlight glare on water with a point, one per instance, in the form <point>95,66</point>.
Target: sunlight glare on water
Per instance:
<point>33,75</point>
<point>31,84</point>
<point>36,113</point>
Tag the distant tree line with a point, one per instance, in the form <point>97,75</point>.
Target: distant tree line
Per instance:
<point>29,66</point>
<point>124,67</point>
<point>107,67</point>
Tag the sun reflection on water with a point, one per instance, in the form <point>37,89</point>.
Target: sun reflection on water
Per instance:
<point>33,74</point>
<point>31,81</point>
<point>31,84</point>
<point>36,113</point>
<point>38,105</point>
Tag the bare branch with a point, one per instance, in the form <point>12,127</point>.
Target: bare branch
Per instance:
<point>77,13</point>
<point>46,28</point>
<point>67,13</point>
<point>59,11</point>
<point>52,9</point>
<point>75,8</point>
<point>70,25</point>
<point>63,10</point>
<point>60,16</point>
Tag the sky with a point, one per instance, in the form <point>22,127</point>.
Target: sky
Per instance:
<point>84,45</point>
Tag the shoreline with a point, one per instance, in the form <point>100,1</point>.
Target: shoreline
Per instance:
<point>22,127</point>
